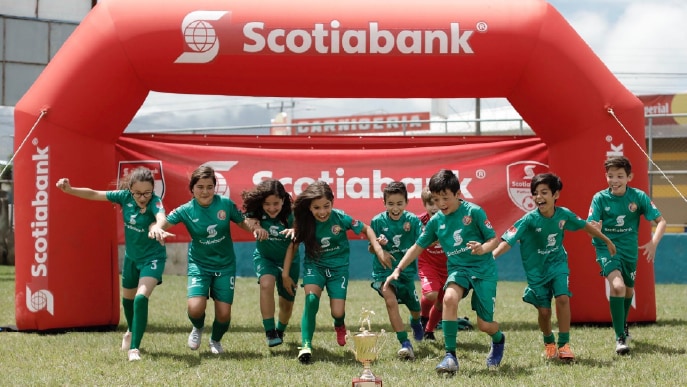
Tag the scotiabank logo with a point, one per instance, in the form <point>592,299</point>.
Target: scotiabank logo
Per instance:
<point>200,36</point>
<point>333,37</point>
<point>40,300</point>
<point>221,167</point>
<point>519,178</point>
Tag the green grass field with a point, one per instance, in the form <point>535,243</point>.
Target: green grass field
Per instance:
<point>94,358</point>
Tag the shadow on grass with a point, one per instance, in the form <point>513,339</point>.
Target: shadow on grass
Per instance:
<point>517,326</point>
<point>640,346</point>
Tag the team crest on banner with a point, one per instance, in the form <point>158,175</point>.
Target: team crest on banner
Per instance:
<point>155,166</point>
<point>519,177</point>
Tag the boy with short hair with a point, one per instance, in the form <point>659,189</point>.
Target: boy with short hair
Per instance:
<point>618,209</point>
<point>545,260</point>
<point>397,230</point>
<point>466,235</point>
<point>431,267</point>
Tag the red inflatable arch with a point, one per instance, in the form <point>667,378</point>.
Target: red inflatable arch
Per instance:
<point>66,257</point>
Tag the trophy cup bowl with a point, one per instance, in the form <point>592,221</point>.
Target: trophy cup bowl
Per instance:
<point>366,346</point>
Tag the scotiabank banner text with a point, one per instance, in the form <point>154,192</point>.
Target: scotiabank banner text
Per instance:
<point>494,171</point>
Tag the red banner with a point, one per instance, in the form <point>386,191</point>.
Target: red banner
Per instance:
<point>361,124</point>
<point>494,172</point>
<point>665,104</point>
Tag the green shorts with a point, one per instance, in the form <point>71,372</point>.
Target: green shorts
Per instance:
<point>483,292</point>
<point>265,266</point>
<point>405,292</point>
<point>540,295</point>
<point>626,266</point>
<point>216,284</point>
<point>132,271</point>
<point>334,280</point>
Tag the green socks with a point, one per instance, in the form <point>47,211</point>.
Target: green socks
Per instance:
<point>563,338</point>
<point>219,329</point>
<point>312,305</point>
<point>268,324</point>
<point>450,328</point>
<point>618,315</point>
<point>128,311</point>
<point>140,319</point>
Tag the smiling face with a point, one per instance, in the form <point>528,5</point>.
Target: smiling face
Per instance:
<point>204,191</point>
<point>446,201</point>
<point>321,208</point>
<point>272,205</point>
<point>545,199</point>
<point>617,179</point>
<point>395,205</point>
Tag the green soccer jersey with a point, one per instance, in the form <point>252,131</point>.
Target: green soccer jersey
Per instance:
<point>620,216</point>
<point>274,247</point>
<point>334,246</point>
<point>541,242</point>
<point>401,235</point>
<point>453,231</point>
<point>138,247</point>
<point>211,246</point>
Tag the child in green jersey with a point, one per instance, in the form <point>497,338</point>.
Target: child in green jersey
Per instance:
<point>397,230</point>
<point>545,260</point>
<point>322,230</point>
<point>618,209</point>
<point>211,257</point>
<point>144,259</point>
<point>467,238</point>
<point>269,205</point>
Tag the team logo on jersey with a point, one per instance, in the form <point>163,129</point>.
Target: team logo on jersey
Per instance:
<point>519,177</point>
<point>512,230</point>
<point>132,219</point>
<point>561,224</point>
<point>653,205</point>
<point>155,166</point>
<point>632,207</point>
<point>355,223</point>
<point>221,214</point>
<point>397,240</point>
<point>406,226</point>
<point>487,224</point>
<point>467,220</point>
<point>457,237</point>
<point>336,229</point>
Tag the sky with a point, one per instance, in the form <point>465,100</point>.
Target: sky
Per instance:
<point>643,42</point>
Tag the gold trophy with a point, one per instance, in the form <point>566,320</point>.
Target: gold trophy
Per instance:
<point>366,347</point>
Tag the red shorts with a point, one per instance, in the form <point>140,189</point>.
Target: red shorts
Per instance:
<point>432,279</point>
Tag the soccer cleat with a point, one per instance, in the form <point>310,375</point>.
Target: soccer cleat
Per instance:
<point>621,347</point>
<point>496,353</point>
<point>565,353</point>
<point>406,351</point>
<point>273,338</point>
<point>194,338</point>
<point>429,336</point>
<point>447,366</point>
<point>341,335</point>
<point>134,355</point>
<point>627,334</point>
<point>126,341</point>
<point>550,351</point>
<point>305,354</point>
<point>418,331</point>
<point>216,347</point>
<point>280,334</point>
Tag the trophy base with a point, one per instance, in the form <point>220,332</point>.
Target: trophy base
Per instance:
<point>358,382</point>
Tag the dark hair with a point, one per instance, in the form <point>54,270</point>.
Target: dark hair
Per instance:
<point>140,174</point>
<point>202,172</point>
<point>253,200</point>
<point>552,181</point>
<point>395,187</point>
<point>619,162</point>
<point>444,180</point>
<point>304,219</point>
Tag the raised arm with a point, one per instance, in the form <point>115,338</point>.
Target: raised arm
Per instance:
<point>410,255</point>
<point>84,193</point>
